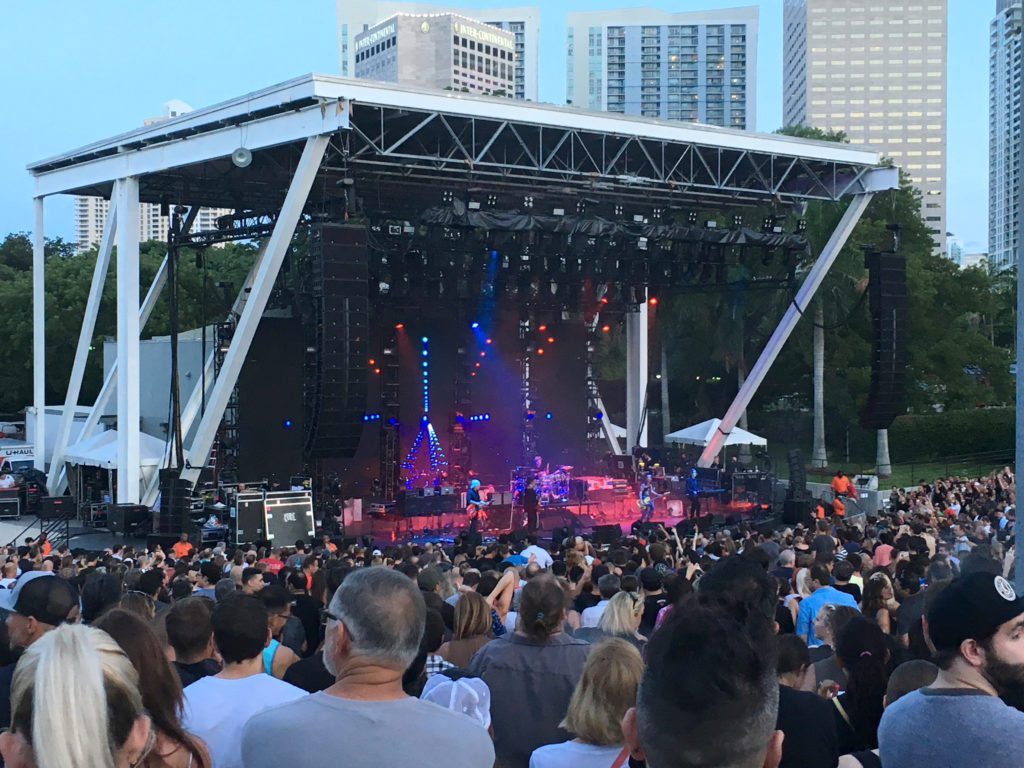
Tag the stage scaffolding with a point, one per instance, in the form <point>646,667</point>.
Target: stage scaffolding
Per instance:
<point>317,139</point>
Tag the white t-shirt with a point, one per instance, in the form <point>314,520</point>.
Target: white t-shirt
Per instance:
<point>7,481</point>
<point>592,615</point>
<point>216,710</point>
<point>540,555</point>
<point>573,754</point>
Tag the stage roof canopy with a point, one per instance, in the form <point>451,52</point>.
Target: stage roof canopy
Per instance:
<point>387,139</point>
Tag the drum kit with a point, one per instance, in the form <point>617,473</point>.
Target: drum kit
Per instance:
<point>551,486</point>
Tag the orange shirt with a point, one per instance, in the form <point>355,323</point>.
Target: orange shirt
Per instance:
<point>840,484</point>
<point>181,549</point>
<point>45,548</point>
<point>820,511</point>
<point>837,507</point>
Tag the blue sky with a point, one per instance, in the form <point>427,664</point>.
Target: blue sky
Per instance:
<point>76,72</point>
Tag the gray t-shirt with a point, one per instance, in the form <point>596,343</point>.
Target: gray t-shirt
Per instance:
<point>369,734</point>
<point>951,728</point>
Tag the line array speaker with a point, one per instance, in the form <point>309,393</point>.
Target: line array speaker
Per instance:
<point>336,373</point>
<point>887,298</point>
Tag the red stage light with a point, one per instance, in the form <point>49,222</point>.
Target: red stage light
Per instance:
<point>371,361</point>
<point>399,326</point>
<point>376,370</point>
<point>488,341</point>
<point>604,300</point>
<point>542,327</point>
<point>653,301</point>
<point>540,351</point>
<point>478,365</point>
<point>483,354</point>
<point>551,339</point>
<point>606,328</point>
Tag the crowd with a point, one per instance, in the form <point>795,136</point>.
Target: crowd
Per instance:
<point>899,642</point>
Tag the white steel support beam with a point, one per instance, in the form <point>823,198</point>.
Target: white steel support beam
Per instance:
<point>107,390</point>
<point>39,334</point>
<point>126,194</point>
<point>636,376</point>
<point>789,320</point>
<point>92,307</point>
<point>270,265</point>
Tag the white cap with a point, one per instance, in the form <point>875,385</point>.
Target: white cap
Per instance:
<point>468,695</point>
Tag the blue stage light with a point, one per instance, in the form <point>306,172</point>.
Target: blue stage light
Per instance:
<point>287,423</point>
<point>424,339</point>
<point>474,326</point>
<point>424,353</point>
<point>392,420</point>
<point>598,415</point>
<point>487,417</point>
<point>547,415</point>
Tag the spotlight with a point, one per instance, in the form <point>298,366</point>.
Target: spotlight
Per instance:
<point>598,415</point>
<point>547,416</point>
<point>606,328</point>
<point>653,301</point>
<point>392,420</point>
<point>474,326</point>
<point>540,351</point>
<point>488,341</point>
<point>376,370</point>
<point>483,354</point>
<point>691,217</point>
<point>737,221</point>
<point>424,339</point>
<point>551,339</point>
<point>801,225</point>
<point>399,326</point>
<point>287,423</point>
<point>424,353</point>
<point>542,327</point>
<point>371,361</point>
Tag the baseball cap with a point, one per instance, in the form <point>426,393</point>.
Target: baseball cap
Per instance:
<point>428,579</point>
<point>972,607</point>
<point>40,595</point>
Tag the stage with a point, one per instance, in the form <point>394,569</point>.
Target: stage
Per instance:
<point>588,518</point>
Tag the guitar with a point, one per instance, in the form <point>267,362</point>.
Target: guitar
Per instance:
<point>474,508</point>
<point>650,497</point>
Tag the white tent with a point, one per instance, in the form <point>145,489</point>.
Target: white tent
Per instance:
<point>101,451</point>
<point>700,434</point>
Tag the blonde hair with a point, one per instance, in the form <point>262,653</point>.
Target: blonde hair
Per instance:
<point>472,616</point>
<point>620,615</point>
<point>607,688</point>
<point>70,686</point>
<point>803,582</point>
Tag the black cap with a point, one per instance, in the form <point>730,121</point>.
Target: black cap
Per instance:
<point>41,595</point>
<point>972,607</point>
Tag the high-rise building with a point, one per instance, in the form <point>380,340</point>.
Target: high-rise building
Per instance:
<point>696,65</point>
<point>91,212</point>
<point>1004,134</point>
<point>877,72</point>
<point>357,16</point>
<point>438,51</point>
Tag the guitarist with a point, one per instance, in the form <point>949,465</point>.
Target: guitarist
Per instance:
<point>645,499</point>
<point>474,504</point>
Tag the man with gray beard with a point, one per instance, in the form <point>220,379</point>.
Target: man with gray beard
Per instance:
<point>374,625</point>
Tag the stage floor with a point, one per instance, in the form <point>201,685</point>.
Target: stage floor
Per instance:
<point>583,518</point>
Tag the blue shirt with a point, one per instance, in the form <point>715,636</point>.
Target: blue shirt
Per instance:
<point>810,606</point>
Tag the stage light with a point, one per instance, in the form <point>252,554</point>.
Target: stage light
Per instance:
<point>399,326</point>
<point>483,354</point>
<point>542,327</point>
<point>606,328</point>
<point>540,351</point>
<point>653,301</point>
<point>424,339</point>
<point>487,417</point>
<point>547,416</point>
<point>551,339</point>
<point>392,420</point>
<point>488,341</point>
<point>376,370</point>
<point>604,299</point>
<point>598,415</point>
<point>737,221</point>
<point>474,326</point>
<point>424,363</point>
<point>801,225</point>
<point>529,415</point>
<point>371,361</point>
<point>424,353</point>
<point>691,217</point>
<point>287,423</point>
<point>477,365</point>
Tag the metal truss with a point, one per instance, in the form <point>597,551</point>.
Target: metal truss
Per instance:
<point>404,141</point>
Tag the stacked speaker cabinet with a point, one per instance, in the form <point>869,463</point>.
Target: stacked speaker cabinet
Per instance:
<point>335,367</point>
<point>175,504</point>
<point>887,297</point>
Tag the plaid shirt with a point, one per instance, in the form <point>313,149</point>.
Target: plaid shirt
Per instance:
<point>436,664</point>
